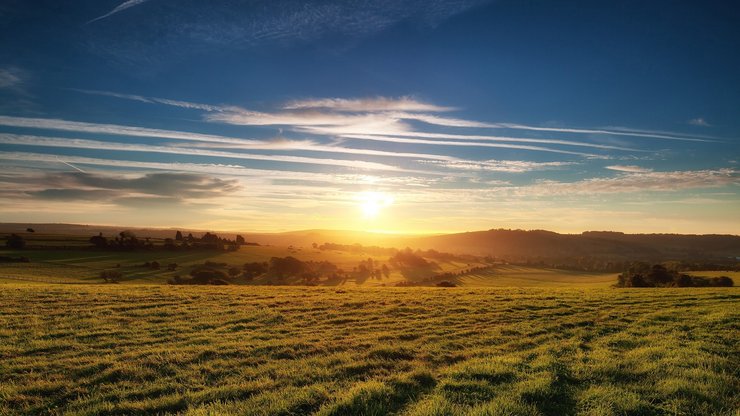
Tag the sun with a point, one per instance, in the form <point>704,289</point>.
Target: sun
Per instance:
<point>372,203</point>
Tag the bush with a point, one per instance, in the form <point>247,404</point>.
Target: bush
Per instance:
<point>721,281</point>
<point>659,276</point>
<point>446,283</point>
<point>204,276</point>
<point>15,242</point>
<point>111,276</point>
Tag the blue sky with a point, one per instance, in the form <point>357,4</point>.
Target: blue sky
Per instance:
<point>401,116</point>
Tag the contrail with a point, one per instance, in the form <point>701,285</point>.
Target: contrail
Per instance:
<point>71,165</point>
<point>121,7</point>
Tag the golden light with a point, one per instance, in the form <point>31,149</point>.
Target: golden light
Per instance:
<point>372,203</point>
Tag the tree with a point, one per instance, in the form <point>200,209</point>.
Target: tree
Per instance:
<point>386,271</point>
<point>285,267</point>
<point>178,236</point>
<point>99,241</point>
<point>15,242</point>
<point>111,276</point>
<point>240,240</point>
<point>30,230</point>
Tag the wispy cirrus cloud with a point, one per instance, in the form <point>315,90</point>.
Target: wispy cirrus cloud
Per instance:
<point>127,147</point>
<point>637,182</point>
<point>121,7</point>
<point>629,168</point>
<point>381,115</point>
<point>374,104</point>
<point>699,121</point>
<point>508,166</point>
<point>12,78</point>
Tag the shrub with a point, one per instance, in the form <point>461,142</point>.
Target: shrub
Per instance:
<point>204,276</point>
<point>721,281</point>
<point>111,276</point>
<point>446,283</point>
<point>15,242</point>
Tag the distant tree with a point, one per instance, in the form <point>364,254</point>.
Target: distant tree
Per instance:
<point>446,283</point>
<point>128,239</point>
<point>209,238</point>
<point>30,230</point>
<point>240,240</point>
<point>284,267</point>
<point>204,276</point>
<point>254,269</point>
<point>659,276</point>
<point>190,237</point>
<point>234,271</point>
<point>99,241</point>
<point>169,243</point>
<point>15,242</point>
<point>178,236</point>
<point>386,271</point>
<point>723,281</point>
<point>111,276</point>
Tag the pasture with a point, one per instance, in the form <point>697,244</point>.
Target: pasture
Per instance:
<point>236,350</point>
<point>84,266</point>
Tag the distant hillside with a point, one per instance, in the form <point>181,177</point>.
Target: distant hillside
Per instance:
<point>499,243</point>
<point>519,243</point>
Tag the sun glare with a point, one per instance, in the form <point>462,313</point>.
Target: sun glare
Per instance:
<point>372,203</point>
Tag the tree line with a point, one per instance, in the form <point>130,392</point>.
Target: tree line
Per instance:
<point>657,275</point>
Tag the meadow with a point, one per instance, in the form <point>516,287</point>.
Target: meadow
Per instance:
<point>255,350</point>
<point>84,265</point>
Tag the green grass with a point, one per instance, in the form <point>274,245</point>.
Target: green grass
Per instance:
<point>243,350</point>
<point>84,266</point>
<point>521,276</point>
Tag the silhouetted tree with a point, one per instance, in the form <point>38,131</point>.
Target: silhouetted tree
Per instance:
<point>111,276</point>
<point>30,230</point>
<point>178,236</point>
<point>240,240</point>
<point>15,242</point>
<point>99,241</point>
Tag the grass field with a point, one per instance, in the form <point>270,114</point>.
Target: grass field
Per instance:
<point>84,266</point>
<point>241,350</point>
<point>520,276</point>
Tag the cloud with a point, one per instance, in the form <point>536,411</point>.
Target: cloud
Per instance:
<point>636,182</point>
<point>509,166</point>
<point>12,78</point>
<point>155,100</point>
<point>629,168</point>
<point>167,187</point>
<point>121,7</point>
<point>699,122</point>
<point>204,139</point>
<point>377,104</point>
<point>242,25</point>
<point>99,145</point>
<point>385,115</point>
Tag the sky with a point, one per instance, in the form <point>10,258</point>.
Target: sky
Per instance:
<point>419,116</point>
